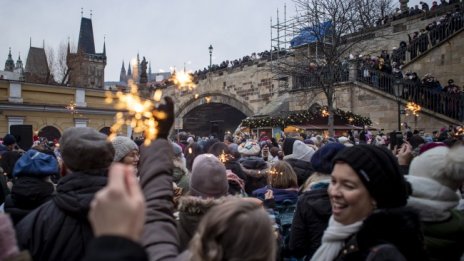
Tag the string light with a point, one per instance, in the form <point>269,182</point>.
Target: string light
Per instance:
<point>303,118</point>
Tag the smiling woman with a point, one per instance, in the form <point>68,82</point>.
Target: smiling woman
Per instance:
<point>368,194</point>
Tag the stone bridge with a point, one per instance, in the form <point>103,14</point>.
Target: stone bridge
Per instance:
<point>223,98</point>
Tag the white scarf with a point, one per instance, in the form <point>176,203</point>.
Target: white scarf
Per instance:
<point>433,200</point>
<point>333,239</point>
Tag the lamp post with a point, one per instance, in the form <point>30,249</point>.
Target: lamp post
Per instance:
<point>210,48</point>
<point>398,90</point>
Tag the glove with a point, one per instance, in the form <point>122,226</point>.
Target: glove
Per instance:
<point>165,123</point>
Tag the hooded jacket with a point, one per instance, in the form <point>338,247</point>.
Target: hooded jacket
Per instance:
<point>27,194</point>
<point>300,160</point>
<point>191,210</point>
<point>309,222</point>
<point>59,229</point>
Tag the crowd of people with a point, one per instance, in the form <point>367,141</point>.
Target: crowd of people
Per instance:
<point>362,196</point>
<point>245,60</point>
<point>421,8</point>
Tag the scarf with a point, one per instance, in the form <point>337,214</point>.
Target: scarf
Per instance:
<point>433,200</point>
<point>333,239</point>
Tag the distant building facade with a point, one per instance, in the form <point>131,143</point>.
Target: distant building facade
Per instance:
<point>86,67</point>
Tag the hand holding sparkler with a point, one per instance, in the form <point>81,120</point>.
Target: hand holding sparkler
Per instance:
<point>165,123</point>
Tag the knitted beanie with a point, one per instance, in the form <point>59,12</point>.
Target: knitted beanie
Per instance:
<point>208,178</point>
<point>379,171</point>
<point>322,159</point>
<point>9,139</point>
<point>441,164</point>
<point>84,148</point>
<point>123,146</point>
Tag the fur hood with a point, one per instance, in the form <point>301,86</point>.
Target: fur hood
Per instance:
<point>199,206</point>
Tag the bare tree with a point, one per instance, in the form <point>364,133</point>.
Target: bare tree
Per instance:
<point>57,62</point>
<point>332,29</point>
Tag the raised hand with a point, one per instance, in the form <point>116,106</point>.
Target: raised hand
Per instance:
<point>119,208</point>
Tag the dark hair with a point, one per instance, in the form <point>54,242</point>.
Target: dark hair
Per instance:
<point>219,148</point>
<point>235,230</point>
<point>191,152</point>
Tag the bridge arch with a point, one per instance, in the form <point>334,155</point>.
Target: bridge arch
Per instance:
<point>214,98</point>
<point>212,114</point>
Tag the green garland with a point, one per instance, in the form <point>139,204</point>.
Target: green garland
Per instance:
<point>303,118</point>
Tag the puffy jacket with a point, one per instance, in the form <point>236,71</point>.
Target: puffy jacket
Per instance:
<point>59,229</point>
<point>27,194</point>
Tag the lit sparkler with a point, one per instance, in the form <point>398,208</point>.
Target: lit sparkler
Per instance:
<point>183,80</point>
<point>224,157</point>
<point>138,113</point>
<point>325,113</point>
<point>71,107</point>
<point>274,172</point>
<point>413,108</point>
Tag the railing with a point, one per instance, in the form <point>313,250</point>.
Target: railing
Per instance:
<point>451,105</point>
<point>426,41</point>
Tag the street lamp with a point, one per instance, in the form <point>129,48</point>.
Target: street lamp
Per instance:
<point>210,48</point>
<point>398,90</point>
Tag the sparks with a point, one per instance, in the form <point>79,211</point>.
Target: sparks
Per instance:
<point>413,108</point>
<point>183,80</point>
<point>138,113</point>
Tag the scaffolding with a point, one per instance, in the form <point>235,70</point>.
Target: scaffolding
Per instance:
<point>283,32</point>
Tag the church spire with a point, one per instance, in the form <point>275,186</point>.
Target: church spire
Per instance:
<point>122,75</point>
<point>9,64</point>
<point>104,46</point>
<point>129,70</point>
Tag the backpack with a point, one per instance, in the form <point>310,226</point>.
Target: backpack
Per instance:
<point>284,213</point>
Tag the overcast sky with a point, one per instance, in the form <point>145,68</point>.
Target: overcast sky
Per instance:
<point>168,33</point>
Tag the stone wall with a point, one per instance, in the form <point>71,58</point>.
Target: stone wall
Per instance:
<point>380,107</point>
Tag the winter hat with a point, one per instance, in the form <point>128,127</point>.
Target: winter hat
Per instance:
<point>177,149</point>
<point>331,140</point>
<point>9,139</point>
<point>123,146</point>
<point>379,171</point>
<point>249,148</point>
<point>431,145</point>
<point>322,159</point>
<point>35,163</point>
<point>301,151</point>
<point>287,147</point>
<point>208,177</point>
<point>345,141</point>
<point>84,148</point>
<point>441,164</point>
<point>415,141</point>
<point>308,141</point>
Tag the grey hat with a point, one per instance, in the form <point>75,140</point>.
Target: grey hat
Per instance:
<point>123,146</point>
<point>84,148</point>
<point>208,178</point>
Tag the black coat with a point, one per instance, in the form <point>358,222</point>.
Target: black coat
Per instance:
<point>399,229</point>
<point>303,169</point>
<point>27,194</point>
<point>309,222</point>
<point>59,229</point>
<point>103,248</point>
